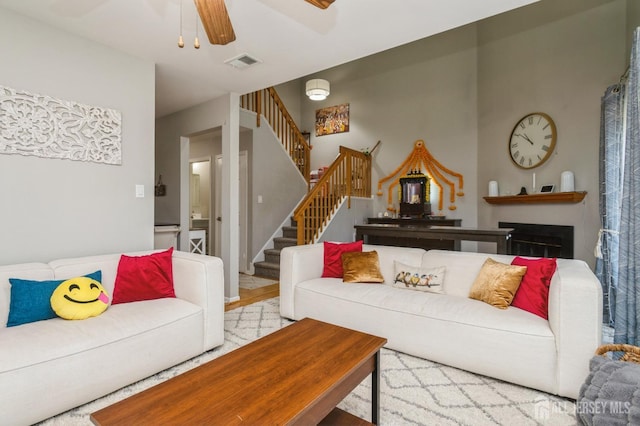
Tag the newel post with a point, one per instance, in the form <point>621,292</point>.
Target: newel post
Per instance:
<point>300,229</point>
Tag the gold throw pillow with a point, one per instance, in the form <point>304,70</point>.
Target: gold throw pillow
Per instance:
<point>497,283</point>
<point>361,267</point>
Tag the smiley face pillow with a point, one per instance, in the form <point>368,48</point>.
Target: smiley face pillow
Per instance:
<point>79,298</point>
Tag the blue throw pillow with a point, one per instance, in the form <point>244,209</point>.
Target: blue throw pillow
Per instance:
<point>30,300</point>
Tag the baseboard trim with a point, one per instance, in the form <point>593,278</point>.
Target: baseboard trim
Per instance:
<point>231,299</point>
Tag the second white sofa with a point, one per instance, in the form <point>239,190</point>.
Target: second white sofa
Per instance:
<point>512,345</point>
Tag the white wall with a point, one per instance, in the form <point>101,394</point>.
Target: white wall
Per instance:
<point>60,208</point>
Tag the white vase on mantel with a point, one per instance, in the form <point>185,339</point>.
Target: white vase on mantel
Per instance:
<point>567,183</point>
<point>493,188</point>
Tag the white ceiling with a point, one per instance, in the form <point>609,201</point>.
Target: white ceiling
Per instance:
<point>291,37</point>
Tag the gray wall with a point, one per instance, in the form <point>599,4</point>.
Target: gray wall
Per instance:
<point>425,90</point>
<point>546,58</point>
<point>290,95</point>
<point>209,145</point>
<point>272,174</point>
<point>189,122</point>
<point>274,178</point>
<point>341,227</point>
<point>463,91</point>
<point>60,208</point>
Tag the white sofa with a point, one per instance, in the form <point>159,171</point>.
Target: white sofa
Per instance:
<point>48,367</point>
<point>512,345</point>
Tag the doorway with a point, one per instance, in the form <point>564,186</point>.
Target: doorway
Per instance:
<point>200,198</point>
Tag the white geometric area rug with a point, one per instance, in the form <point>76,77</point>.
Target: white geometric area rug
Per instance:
<point>413,391</point>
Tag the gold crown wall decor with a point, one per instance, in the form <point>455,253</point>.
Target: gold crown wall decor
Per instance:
<point>421,159</point>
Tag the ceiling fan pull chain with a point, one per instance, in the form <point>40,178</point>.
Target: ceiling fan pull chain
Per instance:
<point>196,42</point>
<point>180,39</point>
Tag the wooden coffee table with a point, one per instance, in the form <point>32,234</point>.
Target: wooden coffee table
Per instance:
<point>296,375</point>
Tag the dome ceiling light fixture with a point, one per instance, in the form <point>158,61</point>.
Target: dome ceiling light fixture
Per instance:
<point>317,89</point>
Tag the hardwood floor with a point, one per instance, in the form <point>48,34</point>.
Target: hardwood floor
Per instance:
<point>248,297</point>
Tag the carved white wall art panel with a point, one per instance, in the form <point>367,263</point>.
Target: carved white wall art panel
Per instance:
<point>46,127</point>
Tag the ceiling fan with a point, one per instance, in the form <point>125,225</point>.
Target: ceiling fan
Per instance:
<point>217,24</point>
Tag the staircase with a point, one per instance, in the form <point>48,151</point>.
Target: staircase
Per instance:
<point>270,267</point>
<point>268,106</point>
<point>315,211</point>
<point>349,175</point>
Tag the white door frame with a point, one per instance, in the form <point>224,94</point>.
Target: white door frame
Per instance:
<point>227,115</point>
<point>243,211</point>
<point>217,206</point>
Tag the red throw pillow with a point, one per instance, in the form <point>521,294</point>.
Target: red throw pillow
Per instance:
<point>144,277</point>
<point>533,293</point>
<point>333,257</point>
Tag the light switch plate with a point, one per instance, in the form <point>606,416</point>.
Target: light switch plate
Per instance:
<point>139,191</point>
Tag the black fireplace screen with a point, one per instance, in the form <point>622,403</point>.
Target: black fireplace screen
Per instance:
<point>528,239</point>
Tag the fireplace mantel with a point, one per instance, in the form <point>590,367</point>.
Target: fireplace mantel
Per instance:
<point>538,198</point>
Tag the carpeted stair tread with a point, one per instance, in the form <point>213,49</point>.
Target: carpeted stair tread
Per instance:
<point>286,239</point>
<point>268,265</point>
<point>267,269</point>
<point>281,242</point>
<point>290,232</point>
<point>272,256</point>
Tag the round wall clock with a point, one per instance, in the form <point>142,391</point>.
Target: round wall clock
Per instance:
<point>533,139</point>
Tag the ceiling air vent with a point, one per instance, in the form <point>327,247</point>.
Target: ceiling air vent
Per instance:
<point>242,61</point>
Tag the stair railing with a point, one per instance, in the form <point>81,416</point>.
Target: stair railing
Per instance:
<point>266,102</point>
<point>348,176</point>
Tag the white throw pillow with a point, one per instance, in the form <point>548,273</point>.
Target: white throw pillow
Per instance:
<point>417,278</point>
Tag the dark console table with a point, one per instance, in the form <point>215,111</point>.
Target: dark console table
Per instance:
<point>414,221</point>
<point>403,241</point>
<point>431,237</point>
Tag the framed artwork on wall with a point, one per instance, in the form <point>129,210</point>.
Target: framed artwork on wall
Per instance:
<point>332,120</point>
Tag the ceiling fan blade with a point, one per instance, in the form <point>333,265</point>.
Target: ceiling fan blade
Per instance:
<point>322,4</point>
<point>215,20</point>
